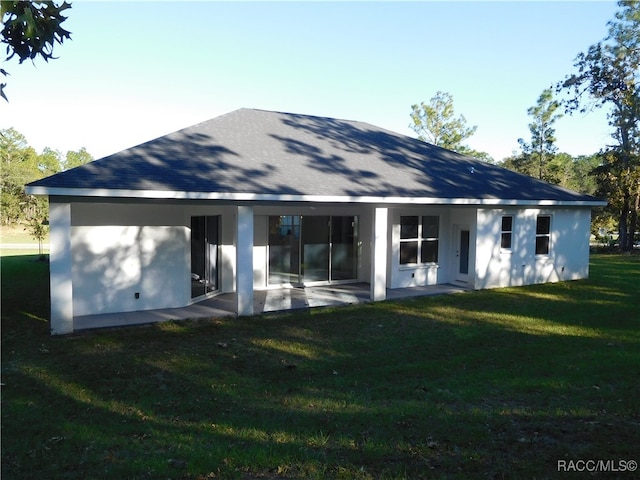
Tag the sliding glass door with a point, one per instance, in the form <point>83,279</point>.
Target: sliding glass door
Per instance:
<point>344,264</point>
<point>313,248</point>
<point>284,249</point>
<point>204,255</point>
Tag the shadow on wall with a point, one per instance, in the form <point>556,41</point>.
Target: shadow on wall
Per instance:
<point>571,233</point>
<point>113,263</point>
<point>568,248</point>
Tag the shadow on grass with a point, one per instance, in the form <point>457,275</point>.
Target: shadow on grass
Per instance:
<point>485,384</point>
<point>24,295</point>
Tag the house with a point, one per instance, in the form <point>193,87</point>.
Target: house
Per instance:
<point>257,199</point>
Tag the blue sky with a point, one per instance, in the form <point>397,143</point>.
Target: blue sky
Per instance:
<point>138,70</point>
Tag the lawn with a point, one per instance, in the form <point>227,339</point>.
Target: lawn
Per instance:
<point>18,240</point>
<point>18,234</point>
<point>504,383</point>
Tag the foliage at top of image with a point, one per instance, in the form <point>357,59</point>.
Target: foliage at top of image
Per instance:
<point>609,71</point>
<point>31,29</point>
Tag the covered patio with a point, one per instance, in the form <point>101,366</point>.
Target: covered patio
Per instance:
<point>264,301</point>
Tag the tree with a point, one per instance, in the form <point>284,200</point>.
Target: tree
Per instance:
<point>559,170</point>
<point>21,164</point>
<point>18,166</point>
<point>31,29</point>
<point>76,158</point>
<point>609,75</point>
<point>564,170</point>
<point>49,161</point>
<point>583,179</point>
<point>541,151</point>
<point>518,163</point>
<point>38,227</point>
<point>435,123</point>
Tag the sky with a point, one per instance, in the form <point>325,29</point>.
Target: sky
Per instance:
<point>135,71</point>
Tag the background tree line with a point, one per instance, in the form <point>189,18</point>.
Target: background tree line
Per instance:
<point>21,164</point>
<point>607,75</point>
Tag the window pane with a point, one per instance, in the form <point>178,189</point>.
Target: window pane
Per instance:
<point>198,242</point>
<point>543,225</point>
<point>344,251</point>
<point>464,251</point>
<point>408,252</point>
<point>505,242</point>
<point>284,249</point>
<point>430,227</point>
<point>408,227</point>
<point>507,224</point>
<point>429,252</point>
<point>542,245</point>
<point>315,248</point>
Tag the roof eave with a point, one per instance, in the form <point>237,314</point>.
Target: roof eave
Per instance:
<point>269,197</point>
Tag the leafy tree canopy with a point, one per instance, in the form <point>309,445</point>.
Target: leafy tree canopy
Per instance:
<point>539,153</point>
<point>435,122</point>
<point>21,164</point>
<point>608,74</point>
<point>31,29</point>
<point>74,159</point>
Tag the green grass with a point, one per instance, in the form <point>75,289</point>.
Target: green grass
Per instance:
<point>490,384</point>
<point>18,234</point>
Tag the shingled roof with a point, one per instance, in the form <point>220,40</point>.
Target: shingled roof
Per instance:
<point>262,155</point>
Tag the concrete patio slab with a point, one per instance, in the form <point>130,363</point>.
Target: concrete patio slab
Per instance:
<point>272,300</point>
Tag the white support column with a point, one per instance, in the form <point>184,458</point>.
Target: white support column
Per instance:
<point>60,268</point>
<point>244,261</point>
<point>379,253</point>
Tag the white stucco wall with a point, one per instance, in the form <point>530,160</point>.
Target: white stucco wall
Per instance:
<point>113,263</point>
<point>568,257</point>
<point>60,267</point>
<point>120,249</point>
<point>260,250</point>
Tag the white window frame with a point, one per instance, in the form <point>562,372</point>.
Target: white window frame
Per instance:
<point>546,235</point>
<point>420,239</point>
<point>504,232</point>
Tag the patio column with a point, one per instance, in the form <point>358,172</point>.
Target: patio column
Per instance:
<point>60,267</point>
<point>379,255</point>
<point>244,261</point>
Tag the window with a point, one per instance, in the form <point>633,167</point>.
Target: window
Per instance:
<point>506,232</point>
<point>543,234</point>
<point>419,239</point>
<point>204,254</point>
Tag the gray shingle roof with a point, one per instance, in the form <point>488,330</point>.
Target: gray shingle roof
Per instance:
<point>261,152</point>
